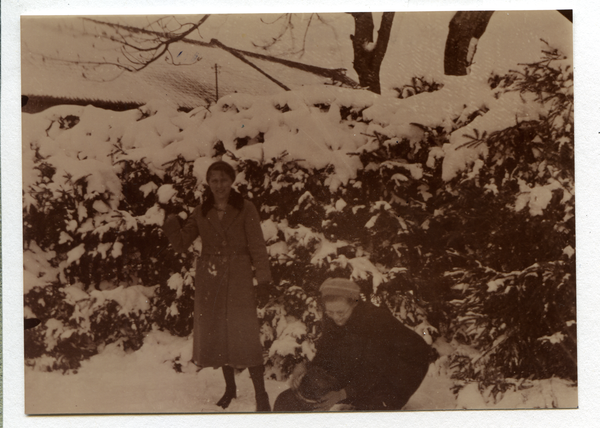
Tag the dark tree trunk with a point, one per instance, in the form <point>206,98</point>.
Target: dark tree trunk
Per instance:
<point>368,56</point>
<point>466,28</point>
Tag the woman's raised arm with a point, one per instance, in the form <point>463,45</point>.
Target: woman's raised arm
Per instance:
<point>181,237</point>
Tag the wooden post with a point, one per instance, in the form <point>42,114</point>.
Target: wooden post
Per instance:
<point>217,81</point>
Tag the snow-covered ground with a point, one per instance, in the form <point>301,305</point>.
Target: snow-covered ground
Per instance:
<point>145,382</point>
<point>139,382</point>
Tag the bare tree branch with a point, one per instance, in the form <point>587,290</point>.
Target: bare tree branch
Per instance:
<point>242,58</point>
<point>136,58</point>
<point>289,27</point>
<point>383,36</point>
<point>136,54</point>
<point>334,74</point>
<point>303,49</point>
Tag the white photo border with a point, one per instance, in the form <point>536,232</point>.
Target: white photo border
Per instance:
<point>587,136</point>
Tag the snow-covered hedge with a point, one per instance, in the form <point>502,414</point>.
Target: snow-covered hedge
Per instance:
<point>452,207</point>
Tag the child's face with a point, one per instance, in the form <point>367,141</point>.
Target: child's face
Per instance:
<point>339,311</point>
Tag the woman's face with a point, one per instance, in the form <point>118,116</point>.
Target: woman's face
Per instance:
<point>339,310</point>
<point>220,185</point>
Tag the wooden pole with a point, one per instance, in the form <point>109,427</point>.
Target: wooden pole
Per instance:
<point>217,81</point>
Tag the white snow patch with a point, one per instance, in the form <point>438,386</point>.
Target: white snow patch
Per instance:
<point>75,254</point>
<point>148,188</point>
<point>279,250</point>
<point>557,337</point>
<point>340,204</point>
<point>165,193</point>
<point>537,197</point>
<point>154,215</point>
<point>568,251</point>
<point>269,230</point>
<point>363,268</point>
<point>134,299</point>
<point>175,282</point>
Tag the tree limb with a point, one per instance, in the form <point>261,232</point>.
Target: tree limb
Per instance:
<point>334,74</point>
<point>162,42</point>
<point>246,61</point>
<point>383,36</point>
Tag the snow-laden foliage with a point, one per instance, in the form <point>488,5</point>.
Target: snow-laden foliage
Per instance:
<point>454,208</point>
<point>416,86</point>
<point>514,288</point>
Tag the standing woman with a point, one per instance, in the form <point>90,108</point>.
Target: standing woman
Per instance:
<point>226,330</point>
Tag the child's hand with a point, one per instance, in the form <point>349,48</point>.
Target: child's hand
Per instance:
<point>330,399</point>
<point>297,375</point>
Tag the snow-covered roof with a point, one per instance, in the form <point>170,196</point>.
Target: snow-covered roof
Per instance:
<point>64,80</point>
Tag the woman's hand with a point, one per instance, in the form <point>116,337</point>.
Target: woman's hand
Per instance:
<point>297,375</point>
<point>262,294</point>
<point>172,219</point>
<point>330,399</point>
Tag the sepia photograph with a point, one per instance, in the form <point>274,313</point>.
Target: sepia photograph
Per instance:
<point>298,212</point>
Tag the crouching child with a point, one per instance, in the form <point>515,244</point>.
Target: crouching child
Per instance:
<point>366,359</point>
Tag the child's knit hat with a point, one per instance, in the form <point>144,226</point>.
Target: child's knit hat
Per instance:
<point>340,287</point>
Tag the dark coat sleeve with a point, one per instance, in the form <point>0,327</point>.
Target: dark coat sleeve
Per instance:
<point>378,334</point>
<point>181,237</point>
<point>408,355</point>
<point>256,244</point>
<point>325,356</point>
<point>348,354</point>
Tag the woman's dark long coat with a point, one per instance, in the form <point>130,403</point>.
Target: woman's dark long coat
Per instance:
<point>226,330</point>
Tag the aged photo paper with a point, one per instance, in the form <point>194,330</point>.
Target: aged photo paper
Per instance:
<point>426,157</point>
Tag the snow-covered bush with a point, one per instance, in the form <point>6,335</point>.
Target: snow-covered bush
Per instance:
<point>289,328</point>
<point>79,325</point>
<point>423,201</point>
<point>416,86</point>
<point>515,293</point>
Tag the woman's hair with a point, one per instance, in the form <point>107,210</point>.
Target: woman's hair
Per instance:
<point>235,199</point>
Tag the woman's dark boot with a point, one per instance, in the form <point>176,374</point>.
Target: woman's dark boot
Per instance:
<point>257,373</point>
<point>230,389</point>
